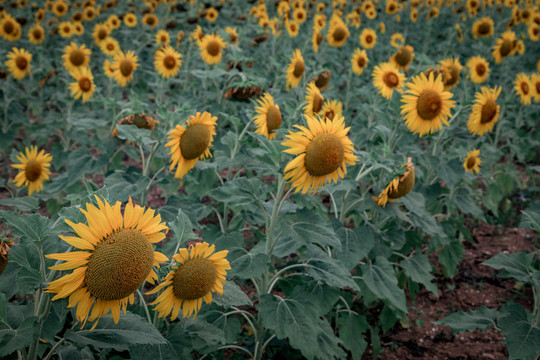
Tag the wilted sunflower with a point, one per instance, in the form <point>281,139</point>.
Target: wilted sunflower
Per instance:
<point>426,105</point>
<point>10,29</point>
<point>485,112</point>
<point>535,85</point>
<point>323,79</point>
<point>36,34</point>
<point>141,121</point>
<point>76,57</point>
<point>18,63</point>
<point>198,273</point>
<point>453,68</point>
<point>5,245</point>
<point>109,46</point>
<point>130,19</point>
<point>188,145</point>
<point>523,86</point>
<point>368,38</point>
<point>400,186</point>
<point>211,47</point>
<point>403,57</point>
<point>124,65</point>
<point>331,109</point>
<point>505,46</point>
<point>100,33</point>
<point>150,20</point>
<point>162,37</point>
<point>295,70</point>
<point>483,27</point>
<point>359,61</point>
<point>314,100</point>
<point>322,152</point>
<point>337,33</point>
<point>478,69</point>
<point>268,117</point>
<point>34,169</point>
<point>386,78</point>
<point>472,162</point>
<point>167,62</point>
<point>116,257</point>
<point>84,85</point>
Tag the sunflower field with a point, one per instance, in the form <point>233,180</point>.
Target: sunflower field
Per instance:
<point>269,179</point>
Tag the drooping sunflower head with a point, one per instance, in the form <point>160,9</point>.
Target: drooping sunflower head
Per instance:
<point>5,245</point>
<point>314,100</point>
<point>483,27</point>
<point>268,117</point>
<point>386,78</point>
<point>399,186</point>
<point>211,47</point>
<point>76,57</point>
<point>331,109</point>
<point>167,62</point>
<point>322,151</point>
<point>124,66</point>
<point>115,257</point>
<point>84,85</point>
<point>33,169</point>
<point>472,162</point>
<point>19,63</point>
<point>233,35</point>
<point>523,88</point>
<point>403,57</point>
<point>141,121</point>
<point>368,38</point>
<point>453,68</point>
<point>478,69</point>
<point>359,61</point>
<point>485,112</point>
<point>323,79</point>
<point>295,70</point>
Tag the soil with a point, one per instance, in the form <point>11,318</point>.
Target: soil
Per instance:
<point>474,286</point>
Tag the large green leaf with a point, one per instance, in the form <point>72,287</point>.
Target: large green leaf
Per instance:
<point>240,191</point>
<point>522,338</point>
<point>12,340</point>
<point>322,267</point>
<point>482,318</point>
<point>355,244</point>
<point>516,264</point>
<point>381,279</point>
<point>133,133</point>
<point>232,296</point>
<point>31,227</point>
<point>450,257</point>
<point>464,202</point>
<point>351,329</point>
<point>419,269</point>
<point>310,228</point>
<point>182,228</point>
<point>245,264</point>
<point>26,203</point>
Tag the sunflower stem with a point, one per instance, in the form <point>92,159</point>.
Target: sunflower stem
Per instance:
<point>145,306</point>
<point>361,173</point>
<point>274,216</point>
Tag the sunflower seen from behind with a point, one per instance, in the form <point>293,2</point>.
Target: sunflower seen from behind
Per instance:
<point>19,63</point>
<point>124,66</point>
<point>322,151</point>
<point>386,78</point>
<point>505,46</point>
<point>167,62</point>
<point>485,111</point>
<point>268,118</point>
<point>295,70</point>
<point>211,48</point>
<point>189,144</point>
<point>84,84</point>
<point>472,161</point>
<point>399,186</point>
<point>33,169</point>
<point>359,61</point>
<point>478,69</point>
<point>114,257</point>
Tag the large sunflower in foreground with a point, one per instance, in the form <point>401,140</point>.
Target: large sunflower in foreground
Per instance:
<point>400,185</point>
<point>211,47</point>
<point>18,63</point>
<point>295,70</point>
<point>115,257</point>
<point>197,274</point>
<point>472,162</point>
<point>167,62</point>
<point>124,65</point>
<point>188,145</point>
<point>322,152</point>
<point>426,105</point>
<point>485,112</point>
<point>268,117</point>
<point>478,69</point>
<point>34,169</point>
<point>386,78</point>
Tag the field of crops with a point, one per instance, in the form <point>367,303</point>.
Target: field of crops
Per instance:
<point>283,179</point>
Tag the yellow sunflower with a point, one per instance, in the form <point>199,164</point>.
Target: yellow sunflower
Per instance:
<point>60,8</point>
<point>19,63</point>
<point>426,105</point>
<point>76,57</point>
<point>114,22</point>
<point>167,62</point>
<point>520,47</point>
<point>130,19</point>
<point>124,66</point>
<point>89,13</point>
<point>36,34</point>
<point>84,85</point>
<point>197,35</point>
<point>34,169</point>
<point>523,86</point>
<point>485,112</point>
<point>233,35</point>
<point>198,273</point>
<point>414,14</point>
<point>116,256</point>
<point>322,151</point>
<point>77,16</point>
<point>337,33</point>
<point>472,162</point>
<point>535,85</point>
<point>100,33</point>
<point>299,15</point>
<point>150,20</point>
<point>534,32</point>
<point>399,186</point>
<point>211,14</point>
<point>162,37</point>
<point>109,46</point>
<point>211,47</point>
<point>78,28</point>
<point>331,109</point>
<point>359,61</point>
<point>397,40</point>
<point>459,32</point>
<point>403,57</point>
<point>319,21</point>
<point>505,46</point>
<point>108,69</point>
<point>316,39</point>
<point>453,67</point>
<point>483,27</point>
<point>478,69</point>
<point>386,78</point>
<point>292,28</point>
<point>268,117</point>
<point>66,29</point>
<point>295,70</point>
<point>188,145</point>
<point>314,100</point>
<point>368,38</point>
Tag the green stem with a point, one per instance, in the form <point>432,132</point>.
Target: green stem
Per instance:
<point>359,176</point>
<point>274,216</point>
<point>54,348</point>
<point>145,306</point>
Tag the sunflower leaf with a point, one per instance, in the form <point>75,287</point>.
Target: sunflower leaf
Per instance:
<point>482,318</point>
<point>522,337</point>
<point>182,228</point>
<point>232,296</point>
<point>12,340</point>
<point>240,192</point>
<point>246,264</point>
<point>419,269</point>
<point>351,329</point>
<point>26,203</point>
<point>32,227</point>
<point>311,228</point>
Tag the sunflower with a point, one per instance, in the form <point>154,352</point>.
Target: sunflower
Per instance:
<point>386,78</point>
<point>66,29</point>
<point>535,85</point>
<point>453,68</point>
<point>233,35</point>
<point>368,38</point>
<point>10,29</point>
<point>534,32</point>
<point>520,47</point>
<point>295,70</point>
<point>354,19</point>
<point>403,57</point>
<point>167,62</point>
<point>292,28</point>
<point>100,33</point>
<point>337,33</point>
<point>485,112</point>
<point>197,34</point>
<point>459,32</point>
<point>78,28</point>
<point>319,21</point>
<point>314,100</point>
<point>130,19</point>
<point>5,245</point>
<point>478,69</point>
<point>76,57</point>
<point>116,256</point>
<point>211,48</point>
<point>523,86</point>
<point>124,66</point>
<point>359,61</point>
<point>188,145</point>
<point>505,46</point>
<point>268,117</point>
<point>399,186</point>
<point>36,34</point>
<point>109,46</point>
<point>414,14</point>
<point>89,13</point>
<point>150,20</point>
<point>84,85</point>
<point>426,105</point>
<point>392,7</point>
<point>322,151</point>
<point>472,162</point>
<point>397,40</point>
<point>331,109</point>
<point>483,27</point>
<point>39,15</point>
<point>60,8</point>
<point>77,16</point>
<point>113,22</point>
<point>198,273</point>
<point>316,39</point>
<point>162,37</point>
<point>34,169</point>
<point>323,79</point>
<point>299,15</point>
<point>18,63</point>
<point>108,69</point>
<point>211,14</point>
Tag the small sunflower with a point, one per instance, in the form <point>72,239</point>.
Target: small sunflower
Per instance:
<point>319,21</point>
<point>124,66</point>
<point>78,28</point>
<point>535,85</point>
<point>115,257</point>
<point>483,27</point>
<point>316,39</point>
<point>403,57</point>
<point>268,117</point>
<point>167,62</point>
<point>60,8</point>
<point>359,61</point>
<point>523,87</point>
<point>337,33</point>
<point>459,32</point>
<point>453,67</point>
<point>485,112</point>
<point>89,13</point>
<point>472,162</point>
<point>188,145</point>
<point>109,46</point>
<point>426,105</point>
<point>19,63</point>
<point>322,151</point>
<point>100,33</point>
<point>198,273</point>
<point>368,38</point>
<point>414,14</point>
<point>10,29</point>
<point>397,40</point>
<point>162,37</point>
<point>299,15</point>
<point>314,100</point>
<point>398,187</point>
<point>386,78</point>
<point>233,35</point>
<point>197,34</point>
<point>34,169</point>
<point>211,47</point>
<point>108,69</point>
<point>295,70</point>
<point>478,69</point>
<point>36,34</point>
<point>130,19</point>
<point>331,109</point>
<point>211,14</point>
<point>292,28</point>
<point>76,57</point>
<point>520,47</point>
<point>84,85</point>
<point>150,20</point>
<point>505,46</point>
<point>534,32</point>
<point>66,29</point>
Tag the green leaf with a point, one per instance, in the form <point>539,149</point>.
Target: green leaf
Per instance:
<point>3,307</point>
<point>310,228</point>
<point>323,296</point>
<point>351,329</point>
<point>232,296</point>
<point>531,220</point>
<point>12,340</point>
<point>381,280</point>
<point>516,264</point>
<point>155,351</point>
<point>419,269</point>
<point>328,345</point>
<point>32,227</point>
<point>25,255</point>
<point>482,319</point>
<point>355,244</point>
<point>29,280</point>
<point>450,257</point>
<point>132,133</point>
<point>522,338</point>
<point>26,203</point>
<point>245,264</point>
<point>464,202</point>
<point>203,334</point>
<point>322,267</point>
<point>451,172</point>
<point>182,228</point>
<point>240,191</point>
